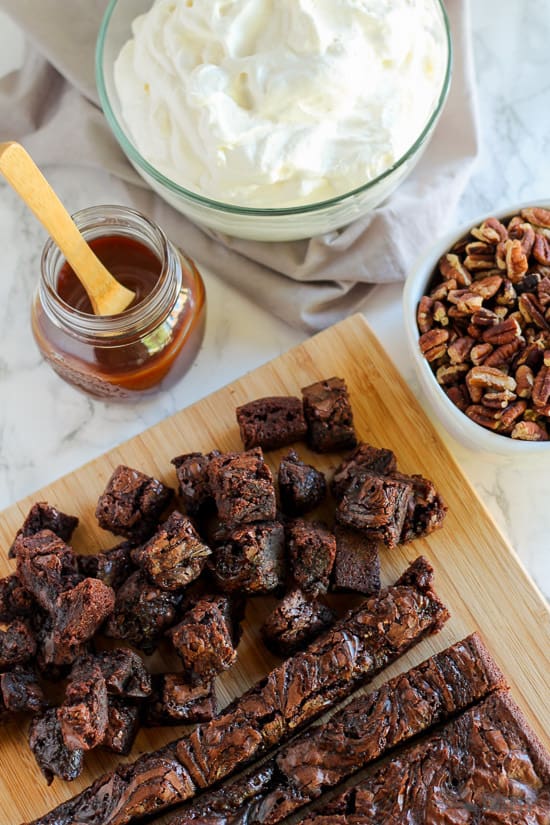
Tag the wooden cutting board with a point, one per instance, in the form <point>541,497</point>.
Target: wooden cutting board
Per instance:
<point>478,574</point>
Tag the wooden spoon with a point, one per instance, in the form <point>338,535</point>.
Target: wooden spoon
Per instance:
<point>107,296</point>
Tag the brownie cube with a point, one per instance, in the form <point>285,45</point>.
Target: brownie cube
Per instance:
<point>142,612</point>
<point>204,640</point>
<point>124,673</point>
<point>243,487</point>
<point>112,567</point>
<point>365,458</point>
<point>295,622</point>
<point>193,480</point>
<point>17,645</point>
<point>122,725</point>
<point>357,563</point>
<point>301,486</point>
<point>376,505</point>
<point>175,555</point>
<point>15,601</point>
<point>53,756</point>
<point>78,614</point>
<point>132,503</point>
<point>22,692</point>
<point>329,416</point>
<point>46,566</point>
<point>252,560</point>
<point>42,516</point>
<point>83,714</point>
<point>426,510</point>
<point>271,422</point>
<point>175,701</point>
<point>311,552</point>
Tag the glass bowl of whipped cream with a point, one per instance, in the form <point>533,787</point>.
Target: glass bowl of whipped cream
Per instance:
<point>273,121</point>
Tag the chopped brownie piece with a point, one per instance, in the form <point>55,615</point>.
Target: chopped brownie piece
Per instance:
<point>175,701</point>
<point>15,601</point>
<point>53,756</point>
<point>365,458</point>
<point>142,612</point>
<point>124,673</point>
<point>426,510</point>
<point>252,560</point>
<point>271,422</point>
<point>376,505</point>
<point>311,552</point>
<point>194,483</point>
<point>78,614</point>
<point>295,622</point>
<point>329,416</point>
<point>175,555</point>
<point>243,487</point>
<point>83,714</point>
<point>301,486</point>
<point>485,766</point>
<point>357,563</point>
<point>21,691</point>
<point>204,640</point>
<point>46,566</point>
<point>122,725</point>
<point>17,645</point>
<point>112,567</point>
<point>132,503</point>
<point>43,516</point>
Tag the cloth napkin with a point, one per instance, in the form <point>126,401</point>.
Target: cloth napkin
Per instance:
<point>51,106</point>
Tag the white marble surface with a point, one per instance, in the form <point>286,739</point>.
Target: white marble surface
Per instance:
<point>47,428</point>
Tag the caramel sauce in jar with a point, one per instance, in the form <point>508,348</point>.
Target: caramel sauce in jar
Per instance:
<point>147,347</point>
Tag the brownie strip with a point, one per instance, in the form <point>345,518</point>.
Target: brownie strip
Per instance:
<point>364,730</point>
<point>485,766</point>
<point>369,638</point>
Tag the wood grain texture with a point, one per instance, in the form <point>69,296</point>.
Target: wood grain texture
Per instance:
<point>478,574</point>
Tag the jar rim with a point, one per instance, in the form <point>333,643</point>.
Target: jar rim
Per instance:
<point>120,221</point>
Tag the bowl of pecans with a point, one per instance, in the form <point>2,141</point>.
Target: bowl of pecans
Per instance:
<point>477,317</point>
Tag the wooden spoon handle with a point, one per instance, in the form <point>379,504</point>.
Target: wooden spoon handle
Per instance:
<point>107,296</point>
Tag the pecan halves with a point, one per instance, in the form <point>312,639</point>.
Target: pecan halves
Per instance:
<point>459,350</point>
<point>451,266</point>
<point>541,249</point>
<point>516,261</point>
<point>524,381</point>
<point>503,333</point>
<point>537,216</point>
<point>540,393</point>
<point>424,317</point>
<point>433,344</point>
<point>532,310</point>
<point>491,231</point>
<point>529,431</point>
<point>490,378</point>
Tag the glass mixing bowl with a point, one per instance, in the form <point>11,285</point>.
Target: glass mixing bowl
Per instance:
<point>280,224</point>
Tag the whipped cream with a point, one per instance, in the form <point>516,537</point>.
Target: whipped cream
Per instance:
<point>275,103</point>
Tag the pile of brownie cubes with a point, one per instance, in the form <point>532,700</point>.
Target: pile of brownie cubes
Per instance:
<point>183,580</point>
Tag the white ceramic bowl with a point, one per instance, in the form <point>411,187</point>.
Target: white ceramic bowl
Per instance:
<point>244,222</point>
<point>456,422</point>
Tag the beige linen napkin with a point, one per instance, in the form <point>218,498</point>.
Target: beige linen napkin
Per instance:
<point>51,105</point>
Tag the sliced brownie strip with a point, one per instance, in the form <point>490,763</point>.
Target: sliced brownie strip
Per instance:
<point>175,701</point>
<point>376,505</point>
<point>311,553</point>
<point>243,487</point>
<point>329,417</point>
<point>363,731</point>
<point>271,422</point>
<point>251,560</point>
<point>292,695</point>
<point>194,484</point>
<point>50,751</point>
<point>301,486</point>
<point>357,563</point>
<point>485,766</point>
<point>365,458</point>
<point>204,639</point>
<point>42,516</point>
<point>132,503</point>
<point>295,622</point>
<point>175,555</point>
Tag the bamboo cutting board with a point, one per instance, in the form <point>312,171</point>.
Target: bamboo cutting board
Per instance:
<point>477,573</point>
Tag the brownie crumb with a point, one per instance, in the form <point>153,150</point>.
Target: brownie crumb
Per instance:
<point>426,509</point>
<point>112,567</point>
<point>46,567</point>
<point>125,673</point>
<point>83,714</point>
<point>22,692</point>
<point>17,645</point>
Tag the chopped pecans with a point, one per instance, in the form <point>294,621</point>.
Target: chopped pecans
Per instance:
<point>485,325</point>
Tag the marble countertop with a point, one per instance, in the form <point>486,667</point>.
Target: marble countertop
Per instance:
<point>48,429</point>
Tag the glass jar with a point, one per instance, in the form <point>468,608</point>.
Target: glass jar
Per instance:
<point>146,348</point>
